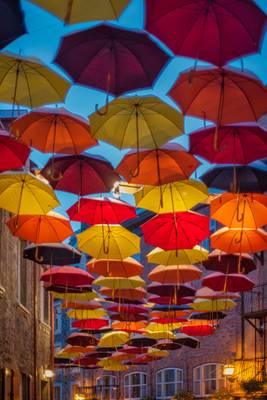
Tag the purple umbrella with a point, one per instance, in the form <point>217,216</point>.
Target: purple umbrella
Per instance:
<point>111,59</point>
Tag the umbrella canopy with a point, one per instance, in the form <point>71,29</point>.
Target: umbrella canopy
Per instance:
<point>127,308</point>
<point>137,122</point>
<point>210,316</point>
<point>112,267</point>
<point>141,341</point>
<point>29,83</point>
<point>67,276</point>
<point>158,335</point>
<point>172,197</point>
<point>185,340</point>
<point>204,29</point>
<point>198,330</point>
<point>102,210</point>
<point>12,22</point>
<point>81,339</point>
<point>81,305</point>
<point>80,174</point>
<point>40,228</point>
<point>248,179</point>
<point>239,240</point>
<point>183,257</point>
<point>113,339</point>
<point>238,144</point>
<point>133,350</point>
<point>52,254</point>
<point>111,59</point>
<point>59,131</point>
<point>229,263</point>
<point>13,155</point>
<point>228,283</point>
<point>180,230</point>
<point>75,11</point>
<point>119,282</point>
<point>129,326</point>
<point>174,274</point>
<point>213,305</point>
<point>80,296</point>
<point>90,324</point>
<point>108,241</point>
<point>209,294</point>
<point>166,344</point>
<point>248,210</point>
<point>170,290</point>
<point>128,317</point>
<point>167,164</point>
<point>128,294</point>
<point>22,193</point>
<point>168,302</point>
<point>87,314</point>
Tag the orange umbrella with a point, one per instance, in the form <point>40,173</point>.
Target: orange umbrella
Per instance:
<point>129,294</point>
<point>169,314</point>
<point>175,274</point>
<point>166,164</point>
<point>124,268</point>
<point>129,326</point>
<point>239,240</point>
<point>49,228</point>
<point>248,210</point>
<point>81,305</point>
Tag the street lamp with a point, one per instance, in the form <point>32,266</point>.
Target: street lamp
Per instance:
<point>228,370</point>
<point>48,373</point>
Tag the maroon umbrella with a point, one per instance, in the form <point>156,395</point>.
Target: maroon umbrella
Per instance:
<point>229,263</point>
<point>228,283</point>
<point>81,339</point>
<point>80,174</point>
<point>13,154</point>
<point>128,317</point>
<point>67,276</point>
<point>212,30</point>
<point>170,290</point>
<point>111,59</point>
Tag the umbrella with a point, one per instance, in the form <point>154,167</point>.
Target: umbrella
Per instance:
<point>170,290</point>
<point>198,330</point>
<point>112,267</point>
<point>133,350</point>
<point>129,326</point>
<point>213,305</point>
<point>87,314</point>
<point>220,95</point>
<point>90,324</point>
<point>239,240</point>
<point>238,144</point>
<point>80,296</point>
<point>113,339</point>
<point>111,59</point>
<point>141,341</point>
<point>248,210</point>
<point>180,230</point>
<point>240,179</point>
<point>127,308</point>
<point>23,193</point>
<point>66,276</point>
<point>166,164</point>
<point>210,316</point>
<point>108,241</point>
<point>185,340</point>
<point>52,254</point>
<point>81,339</point>
<point>209,294</point>
<point>169,302</point>
<point>53,130</point>
<point>59,289</point>
<point>75,11</point>
<point>80,174</point>
<point>29,83</point>
<point>81,305</point>
<point>171,257</point>
<point>103,210</point>
<point>215,31</point>
<point>128,317</point>
<point>120,282</point>
<point>12,21</point>
<point>172,197</point>
<point>40,228</point>
<point>228,282</point>
<point>13,155</point>
<point>174,274</point>
<point>132,294</point>
<point>166,344</point>
<point>158,335</point>
<point>229,263</point>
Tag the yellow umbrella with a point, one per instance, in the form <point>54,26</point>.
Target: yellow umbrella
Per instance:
<point>120,282</point>
<point>75,11</point>
<point>213,305</point>
<point>156,327</point>
<point>29,83</point>
<point>137,122</point>
<point>182,257</point>
<point>108,241</point>
<point>157,353</point>
<point>22,193</point>
<point>172,197</point>
<point>86,296</point>
<point>113,339</point>
<point>87,314</point>
<point>160,334</point>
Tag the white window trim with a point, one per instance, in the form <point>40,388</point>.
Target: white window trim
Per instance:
<point>202,380</point>
<point>100,381</point>
<point>130,385</point>
<point>163,382</point>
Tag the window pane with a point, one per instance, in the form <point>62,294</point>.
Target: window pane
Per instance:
<point>169,389</point>
<point>169,375</point>
<point>135,379</point>
<point>197,388</point>
<point>159,391</point>
<point>210,386</point>
<point>136,392</point>
<point>126,380</point>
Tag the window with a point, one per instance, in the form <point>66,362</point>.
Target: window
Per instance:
<point>25,386</point>
<point>169,382</point>
<point>44,303</point>
<point>107,389</point>
<point>57,392</point>
<point>208,378</point>
<point>57,318</point>
<point>135,386</point>
<point>22,274</point>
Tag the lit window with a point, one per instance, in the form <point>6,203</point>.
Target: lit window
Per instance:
<point>135,386</point>
<point>107,388</point>
<point>208,378</point>
<point>169,382</point>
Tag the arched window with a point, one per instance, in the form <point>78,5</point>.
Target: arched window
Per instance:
<point>208,378</point>
<point>135,387</point>
<point>106,387</point>
<point>169,382</point>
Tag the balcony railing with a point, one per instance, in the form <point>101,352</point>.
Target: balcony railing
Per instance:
<point>255,301</point>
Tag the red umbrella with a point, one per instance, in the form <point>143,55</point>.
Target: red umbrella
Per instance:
<point>238,144</point>
<point>67,276</point>
<point>80,174</point>
<point>90,324</point>
<point>125,308</point>
<point>168,321</point>
<point>180,230</point>
<point>222,95</point>
<point>229,263</point>
<point>13,154</point>
<point>104,210</point>
<point>133,350</point>
<point>215,31</point>
<point>167,300</point>
<point>198,330</point>
<point>81,339</point>
<point>228,283</point>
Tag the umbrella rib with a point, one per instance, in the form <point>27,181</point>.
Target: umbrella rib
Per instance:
<point>126,127</point>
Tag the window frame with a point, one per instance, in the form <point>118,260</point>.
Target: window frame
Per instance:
<point>56,387</point>
<point>163,383</point>
<point>111,395</point>
<point>202,380</point>
<point>43,293</point>
<point>127,387</point>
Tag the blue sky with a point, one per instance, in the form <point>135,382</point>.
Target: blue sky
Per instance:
<point>43,39</point>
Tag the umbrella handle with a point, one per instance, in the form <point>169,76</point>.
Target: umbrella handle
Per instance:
<point>237,241</point>
<point>101,113</point>
<point>37,256</point>
<point>55,177</point>
<point>240,216</point>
